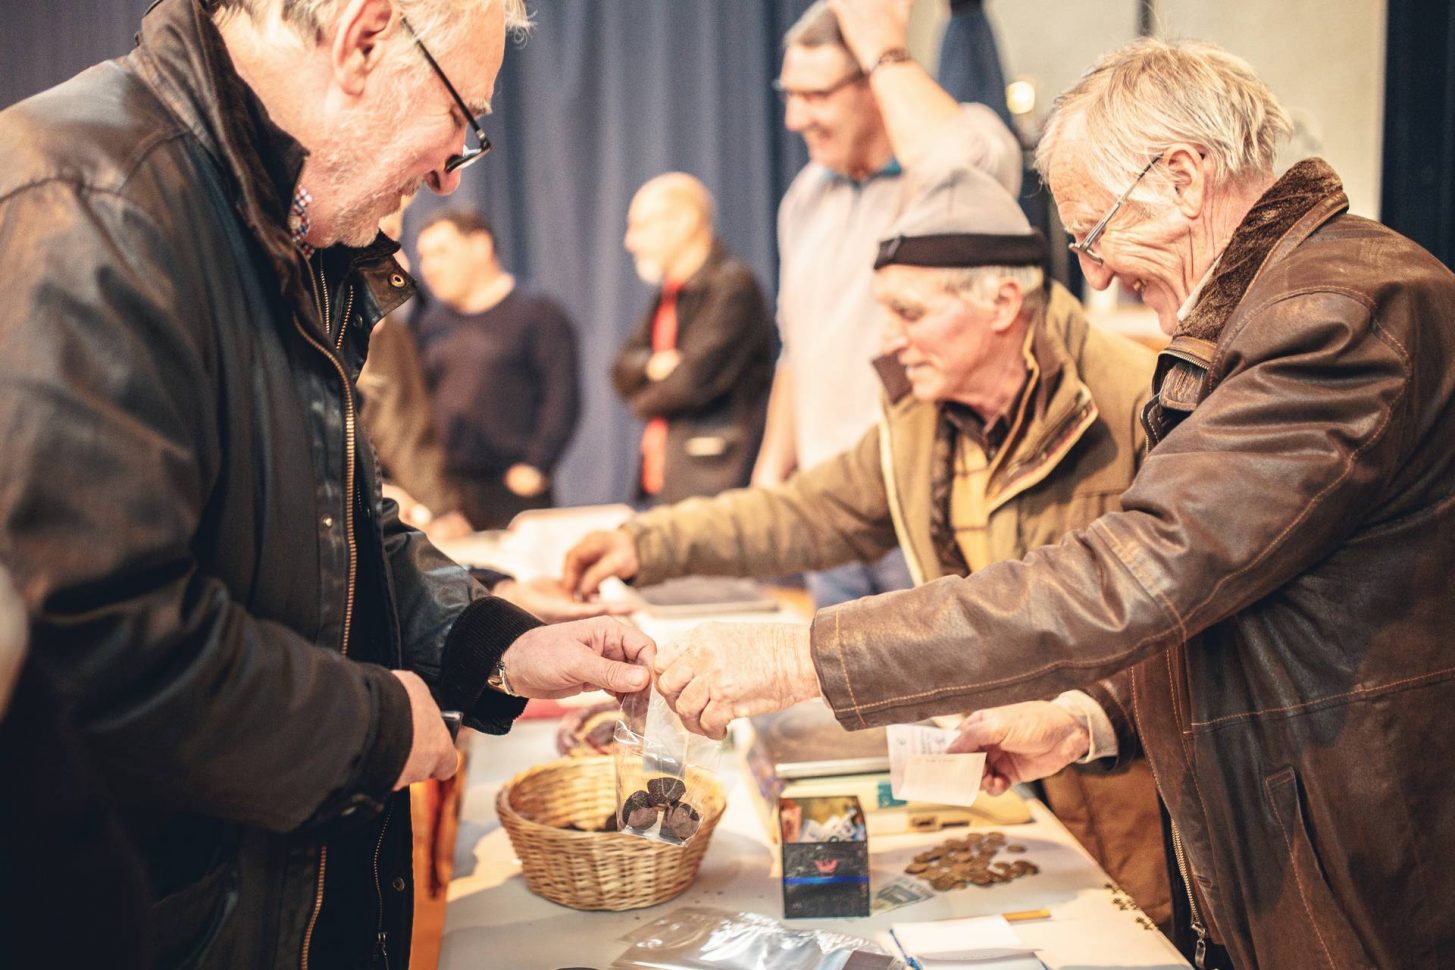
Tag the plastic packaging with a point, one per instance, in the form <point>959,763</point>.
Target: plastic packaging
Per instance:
<point>659,763</point>
<point>700,938</point>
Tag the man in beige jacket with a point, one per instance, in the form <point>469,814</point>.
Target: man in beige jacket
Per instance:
<point>1008,422</point>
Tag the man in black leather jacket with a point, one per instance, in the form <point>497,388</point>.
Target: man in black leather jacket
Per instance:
<point>245,636</point>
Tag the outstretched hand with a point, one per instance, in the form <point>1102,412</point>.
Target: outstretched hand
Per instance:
<point>567,658</point>
<point>720,671</point>
<point>1022,742</point>
<point>598,556</point>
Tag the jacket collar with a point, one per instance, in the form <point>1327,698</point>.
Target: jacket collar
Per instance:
<point>1308,195</point>
<point>715,258</point>
<point>182,54</point>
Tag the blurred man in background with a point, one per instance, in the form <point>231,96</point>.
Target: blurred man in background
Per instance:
<point>501,363</point>
<point>876,126</point>
<point>398,414</point>
<point>698,366</point>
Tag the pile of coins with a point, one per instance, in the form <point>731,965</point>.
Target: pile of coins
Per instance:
<point>957,863</point>
<point>662,797</point>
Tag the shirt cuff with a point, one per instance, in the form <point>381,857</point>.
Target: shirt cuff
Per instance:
<point>1089,715</point>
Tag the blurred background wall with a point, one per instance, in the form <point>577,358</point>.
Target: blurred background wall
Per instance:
<point>607,93</point>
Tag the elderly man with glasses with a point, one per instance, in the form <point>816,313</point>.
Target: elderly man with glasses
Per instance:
<point>254,649</point>
<point>1267,618</point>
<point>877,128</point>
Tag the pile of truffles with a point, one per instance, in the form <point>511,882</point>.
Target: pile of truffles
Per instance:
<point>957,863</point>
<point>662,797</point>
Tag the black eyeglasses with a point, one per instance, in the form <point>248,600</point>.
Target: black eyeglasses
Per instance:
<point>1083,248</point>
<point>470,155</point>
<point>817,94</point>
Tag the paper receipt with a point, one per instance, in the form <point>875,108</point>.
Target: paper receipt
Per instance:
<point>921,771</point>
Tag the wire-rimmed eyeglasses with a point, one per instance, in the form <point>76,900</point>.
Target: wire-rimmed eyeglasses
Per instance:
<point>1083,248</point>
<point>470,155</point>
<point>817,94</point>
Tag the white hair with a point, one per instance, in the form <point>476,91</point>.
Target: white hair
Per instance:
<point>1150,94</point>
<point>437,21</point>
<point>979,283</point>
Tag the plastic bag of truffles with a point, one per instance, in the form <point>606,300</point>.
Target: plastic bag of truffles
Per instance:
<point>661,769</point>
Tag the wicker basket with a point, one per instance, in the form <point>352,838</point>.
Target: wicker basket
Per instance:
<point>596,870</point>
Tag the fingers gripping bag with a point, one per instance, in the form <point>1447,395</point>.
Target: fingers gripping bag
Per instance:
<point>663,771</point>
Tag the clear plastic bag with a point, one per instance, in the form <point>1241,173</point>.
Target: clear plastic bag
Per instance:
<point>700,938</point>
<point>659,764</point>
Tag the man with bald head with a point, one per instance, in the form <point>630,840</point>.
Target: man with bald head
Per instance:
<point>698,366</point>
<point>251,647</point>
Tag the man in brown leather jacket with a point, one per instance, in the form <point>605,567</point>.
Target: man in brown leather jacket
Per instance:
<point>1267,618</point>
<point>1009,422</point>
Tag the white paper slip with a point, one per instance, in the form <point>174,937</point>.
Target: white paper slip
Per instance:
<point>920,771</point>
<point>948,942</point>
<point>944,779</point>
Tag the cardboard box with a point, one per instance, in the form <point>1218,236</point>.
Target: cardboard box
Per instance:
<point>825,842</point>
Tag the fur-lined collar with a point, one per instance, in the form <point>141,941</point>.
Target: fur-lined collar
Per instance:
<point>1308,185</point>
<point>1307,196</point>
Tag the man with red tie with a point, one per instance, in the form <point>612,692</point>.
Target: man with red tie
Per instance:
<point>698,366</point>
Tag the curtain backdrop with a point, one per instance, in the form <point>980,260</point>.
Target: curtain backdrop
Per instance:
<point>602,96</point>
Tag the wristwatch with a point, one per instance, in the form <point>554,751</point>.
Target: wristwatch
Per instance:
<point>894,55</point>
<point>498,682</point>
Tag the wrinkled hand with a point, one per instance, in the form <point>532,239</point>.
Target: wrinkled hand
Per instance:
<point>597,556</point>
<point>451,525</point>
<point>719,671</point>
<point>432,754</point>
<point>548,599</point>
<point>1022,742</point>
<point>525,480</point>
<point>568,658</point>
<point>871,27</point>
<point>662,363</point>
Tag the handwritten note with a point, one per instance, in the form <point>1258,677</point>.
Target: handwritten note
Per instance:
<point>921,771</point>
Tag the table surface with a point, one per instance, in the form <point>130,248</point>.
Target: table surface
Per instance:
<point>495,922</point>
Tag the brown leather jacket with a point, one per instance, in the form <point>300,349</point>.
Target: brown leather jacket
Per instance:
<point>1278,583</point>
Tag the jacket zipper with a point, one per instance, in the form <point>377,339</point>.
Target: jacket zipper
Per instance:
<point>350,419</point>
<point>381,939</point>
<point>1198,927</point>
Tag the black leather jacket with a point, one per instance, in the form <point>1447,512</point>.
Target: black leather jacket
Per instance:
<point>190,510</point>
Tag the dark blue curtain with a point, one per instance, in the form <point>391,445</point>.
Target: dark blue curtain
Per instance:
<point>970,61</point>
<point>604,95</point>
<point>43,42</point>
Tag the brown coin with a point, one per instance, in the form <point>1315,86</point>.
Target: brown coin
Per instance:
<point>943,883</point>
<point>1015,848</point>
<point>682,820</point>
<point>981,878</point>
<point>916,867</point>
<point>665,790</point>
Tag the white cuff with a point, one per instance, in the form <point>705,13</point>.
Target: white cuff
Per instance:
<point>1088,712</point>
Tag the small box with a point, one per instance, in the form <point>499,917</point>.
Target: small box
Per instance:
<point>825,857</point>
